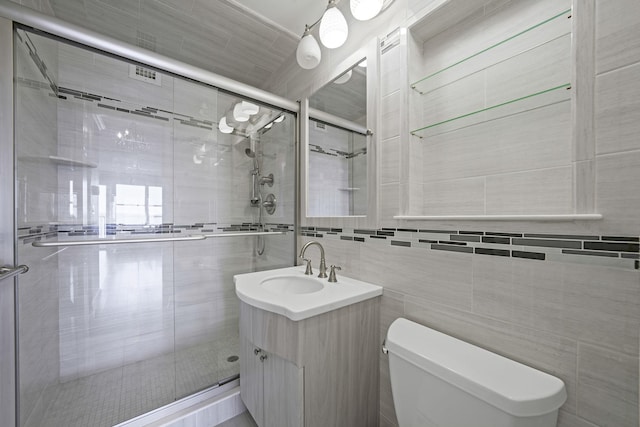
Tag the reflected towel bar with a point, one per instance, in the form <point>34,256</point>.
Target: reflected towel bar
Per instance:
<point>9,272</point>
<point>93,242</point>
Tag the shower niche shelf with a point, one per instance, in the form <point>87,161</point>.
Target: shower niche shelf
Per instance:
<point>60,161</point>
<point>523,72</point>
<point>493,112</point>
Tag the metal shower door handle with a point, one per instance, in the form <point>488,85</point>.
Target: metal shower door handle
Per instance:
<point>9,272</point>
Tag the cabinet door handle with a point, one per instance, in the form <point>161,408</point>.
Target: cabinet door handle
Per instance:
<point>257,351</point>
<point>263,357</point>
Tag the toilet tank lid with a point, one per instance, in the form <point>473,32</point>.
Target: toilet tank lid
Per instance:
<point>506,384</point>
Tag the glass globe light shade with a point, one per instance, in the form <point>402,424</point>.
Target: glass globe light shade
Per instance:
<point>363,10</point>
<point>333,28</point>
<point>308,52</point>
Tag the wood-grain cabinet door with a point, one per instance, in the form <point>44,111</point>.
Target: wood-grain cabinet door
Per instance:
<point>283,393</point>
<point>251,381</point>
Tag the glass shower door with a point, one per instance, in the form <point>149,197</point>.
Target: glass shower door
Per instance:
<point>109,150</point>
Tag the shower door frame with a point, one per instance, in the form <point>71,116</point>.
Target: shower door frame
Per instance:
<point>8,357</point>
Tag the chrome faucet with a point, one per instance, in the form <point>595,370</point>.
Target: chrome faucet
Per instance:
<point>323,265</point>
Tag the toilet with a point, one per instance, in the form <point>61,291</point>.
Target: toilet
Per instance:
<point>440,381</point>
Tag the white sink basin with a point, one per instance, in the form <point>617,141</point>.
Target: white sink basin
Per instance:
<point>292,285</point>
<point>288,291</point>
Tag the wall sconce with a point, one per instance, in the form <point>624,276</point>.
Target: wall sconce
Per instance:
<point>333,29</point>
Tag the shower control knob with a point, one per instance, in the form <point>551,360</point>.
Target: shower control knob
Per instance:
<point>257,351</point>
<point>270,204</point>
<point>263,357</point>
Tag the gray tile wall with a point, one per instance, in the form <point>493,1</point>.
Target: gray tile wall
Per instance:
<point>571,316</point>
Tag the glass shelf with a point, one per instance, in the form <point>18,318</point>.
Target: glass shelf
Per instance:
<point>551,28</point>
<point>60,161</point>
<point>554,95</point>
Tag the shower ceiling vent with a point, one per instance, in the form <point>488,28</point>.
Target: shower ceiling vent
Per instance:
<point>145,75</point>
<point>320,126</point>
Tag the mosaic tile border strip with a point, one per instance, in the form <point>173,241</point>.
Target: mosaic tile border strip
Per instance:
<point>68,94</point>
<point>28,235</point>
<point>613,250</point>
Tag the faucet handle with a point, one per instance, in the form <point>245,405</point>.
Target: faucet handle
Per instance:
<point>308,271</point>
<point>332,273</point>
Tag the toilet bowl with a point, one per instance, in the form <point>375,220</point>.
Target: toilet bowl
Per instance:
<point>440,381</point>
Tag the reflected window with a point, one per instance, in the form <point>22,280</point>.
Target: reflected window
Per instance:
<point>138,204</point>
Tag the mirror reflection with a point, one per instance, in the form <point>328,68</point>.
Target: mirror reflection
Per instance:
<point>337,162</point>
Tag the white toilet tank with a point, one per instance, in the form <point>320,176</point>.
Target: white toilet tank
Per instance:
<point>440,381</point>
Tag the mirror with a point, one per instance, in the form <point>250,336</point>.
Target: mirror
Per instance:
<point>337,146</point>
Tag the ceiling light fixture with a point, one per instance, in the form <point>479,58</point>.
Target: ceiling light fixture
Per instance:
<point>308,53</point>
<point>333,29</point>
<point>363,10</point>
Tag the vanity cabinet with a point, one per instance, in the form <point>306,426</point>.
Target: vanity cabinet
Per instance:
<point>272,387</point>
<point>316,372</point>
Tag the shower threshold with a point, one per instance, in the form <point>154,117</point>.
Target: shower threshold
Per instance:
<point>223,398</point>
<point>140,393</point>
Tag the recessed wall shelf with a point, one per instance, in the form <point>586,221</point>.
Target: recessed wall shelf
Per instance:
<point>549,29</point>
<point>568,217</point>
<point>492,101</point>
<point>535,60</point>
<point>523,104</point>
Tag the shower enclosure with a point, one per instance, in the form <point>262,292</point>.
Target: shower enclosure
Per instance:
<point>139,194</point>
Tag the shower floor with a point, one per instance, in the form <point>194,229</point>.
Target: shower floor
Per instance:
<point>117,395</point>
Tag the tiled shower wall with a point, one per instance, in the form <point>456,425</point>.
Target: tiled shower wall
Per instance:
<point>576,316</point>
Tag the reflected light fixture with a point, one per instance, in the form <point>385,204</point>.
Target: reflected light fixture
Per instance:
<point>223,126</point>
<point>363,10</point>
<point>344,78</point>
<point>243,110</point>
<point>333,27</point>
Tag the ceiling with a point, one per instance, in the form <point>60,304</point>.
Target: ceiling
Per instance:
<point>246,40</point>
<point>292,18</point>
